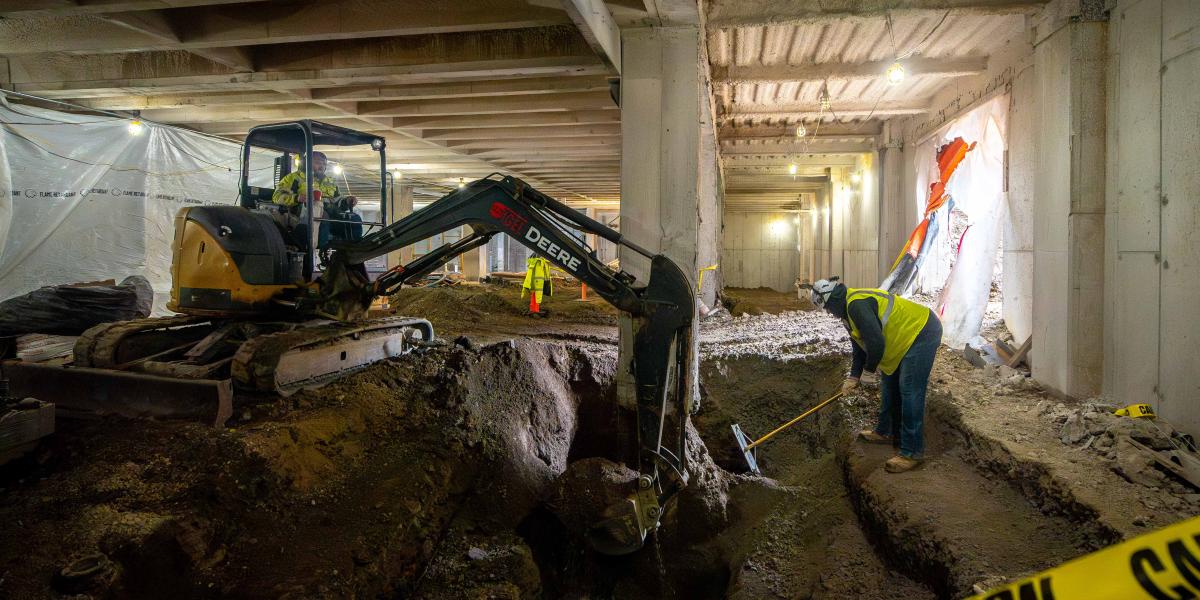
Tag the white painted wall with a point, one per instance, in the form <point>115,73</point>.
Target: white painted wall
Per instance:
<point>760,249</point>
<point>1152,318</point>
<point>1068,257</point>
<point>1017,284</point>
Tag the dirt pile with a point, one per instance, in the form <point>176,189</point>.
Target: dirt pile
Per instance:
<point>492,305</point>
<point>762,301</point>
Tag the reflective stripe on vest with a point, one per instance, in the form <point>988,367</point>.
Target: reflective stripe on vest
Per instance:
<point>902,321</point>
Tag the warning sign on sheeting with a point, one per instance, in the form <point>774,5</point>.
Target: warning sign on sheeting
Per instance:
<point>1163,565</point>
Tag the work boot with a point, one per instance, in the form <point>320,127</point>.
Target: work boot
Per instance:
<point>871,437</point>
<point>900,464</point>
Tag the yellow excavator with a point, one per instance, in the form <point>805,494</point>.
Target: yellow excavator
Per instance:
<point>260,311</point>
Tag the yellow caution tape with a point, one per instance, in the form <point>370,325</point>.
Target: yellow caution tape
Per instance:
<point>1136,411</point>
<point>1162,565</point>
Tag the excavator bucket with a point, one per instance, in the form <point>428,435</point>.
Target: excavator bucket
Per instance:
<point>620,534</point>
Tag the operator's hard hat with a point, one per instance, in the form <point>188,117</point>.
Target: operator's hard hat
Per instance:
<point>822,289</point>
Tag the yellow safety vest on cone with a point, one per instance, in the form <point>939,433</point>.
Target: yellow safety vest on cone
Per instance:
<point>537,280</point>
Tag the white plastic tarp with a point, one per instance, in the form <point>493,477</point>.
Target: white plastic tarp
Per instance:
<point>977,189</point>
<point>86,198</point>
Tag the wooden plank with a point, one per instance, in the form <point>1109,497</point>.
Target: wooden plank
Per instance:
<point>1022,352</point>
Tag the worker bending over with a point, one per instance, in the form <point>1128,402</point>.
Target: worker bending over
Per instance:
<point>290,192</point>
<point>899,338</point>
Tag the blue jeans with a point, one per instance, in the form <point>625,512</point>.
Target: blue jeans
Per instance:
<point>902,413</point>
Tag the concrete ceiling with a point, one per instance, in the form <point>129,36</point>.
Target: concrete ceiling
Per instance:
<point>459,89</point>
<point>772,60</point>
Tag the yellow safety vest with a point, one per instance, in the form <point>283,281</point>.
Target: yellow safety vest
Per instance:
<point>902,320</point>
<point>537,278</point>
<point>294,186</point>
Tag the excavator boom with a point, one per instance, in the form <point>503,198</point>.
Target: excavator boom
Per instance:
<point>662,311</point>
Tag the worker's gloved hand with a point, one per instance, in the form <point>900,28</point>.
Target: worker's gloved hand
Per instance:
<point>849,385</point>
<point>871,378</point>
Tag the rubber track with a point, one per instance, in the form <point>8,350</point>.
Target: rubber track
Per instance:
<point>255,362</point>
<point>98,345</point>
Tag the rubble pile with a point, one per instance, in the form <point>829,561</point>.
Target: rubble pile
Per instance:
<point>1128,443</point>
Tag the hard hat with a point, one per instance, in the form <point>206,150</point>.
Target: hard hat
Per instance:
<point>822,289</point>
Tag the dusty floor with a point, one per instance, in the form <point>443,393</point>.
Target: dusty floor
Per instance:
<point>439,477</point>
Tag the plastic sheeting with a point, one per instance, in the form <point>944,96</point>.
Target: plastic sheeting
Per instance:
<point>86,198</point>
<point>978,190</point>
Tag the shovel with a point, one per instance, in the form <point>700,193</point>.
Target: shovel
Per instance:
<point>748,446</point>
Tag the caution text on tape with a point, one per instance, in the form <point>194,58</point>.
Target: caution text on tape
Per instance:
<point>1161,565</point>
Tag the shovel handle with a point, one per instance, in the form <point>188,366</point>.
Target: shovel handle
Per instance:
<point>793,421</point>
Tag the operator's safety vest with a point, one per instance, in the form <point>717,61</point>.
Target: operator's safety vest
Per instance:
<point>537,280</point>
<point>294,186</point>
<point>902,320</point>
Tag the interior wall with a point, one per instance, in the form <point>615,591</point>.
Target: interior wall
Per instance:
<point>1016,286</point>
<point>760,249</point>
<point>1151,318</point>
<point>1068,262</point>
<point>855,227</point>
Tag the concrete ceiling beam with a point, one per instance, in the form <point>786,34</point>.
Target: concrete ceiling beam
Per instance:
<point>542,119</point>
<point>544,153</point>
<point>914,66</point>
<point>274,23</point>
<point>865,128</point>
<point>797,148</point>
<point>415,59</point>
<point>596,25</point>
<point>811,110</point>
<point>501,133</point>
<point>465,89</point>
<point>754,162</point>
<point>42,8</point>
<point>588,142</point>
<point>756,13</point>
<point>500,105</point>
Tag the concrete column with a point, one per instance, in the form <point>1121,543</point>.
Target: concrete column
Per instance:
<point>895,222</point>
<point>666,205</point>
<point>1017,283</point>
<point>474,262</point>
<point>398,207</point>
<point>1068,237</point>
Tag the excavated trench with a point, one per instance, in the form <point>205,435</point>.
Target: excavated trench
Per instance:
<point>469,472</point>
<point>728,535</point>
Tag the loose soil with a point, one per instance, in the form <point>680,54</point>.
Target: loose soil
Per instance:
<point>762,301</point>
<point>469,471</point>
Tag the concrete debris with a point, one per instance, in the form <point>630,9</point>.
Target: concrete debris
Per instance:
<point>1094,425</point>
<point>791,335</point>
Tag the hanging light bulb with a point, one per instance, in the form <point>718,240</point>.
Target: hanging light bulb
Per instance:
<point>793,169</point>
<point>136,127</point>
<point>337,169</point>
<point>895,73</point>
<point>823,99</point>
<point>462,183</point>
<point>856,177</point>
<point>397,174</point>
<point>801,130</point>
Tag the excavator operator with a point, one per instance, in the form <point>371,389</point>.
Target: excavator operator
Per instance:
<point>289,195</point>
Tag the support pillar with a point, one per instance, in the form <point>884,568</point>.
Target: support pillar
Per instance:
<point>398,207</point>
<point>474,262</point>
<point>664,109</point>
<point>1068,235</point>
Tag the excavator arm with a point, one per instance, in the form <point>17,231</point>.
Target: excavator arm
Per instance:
<point>662,312</point>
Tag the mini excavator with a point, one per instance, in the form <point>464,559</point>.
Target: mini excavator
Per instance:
<point>275,316</point>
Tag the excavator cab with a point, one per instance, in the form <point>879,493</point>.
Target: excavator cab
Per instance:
<point>241,260</point>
